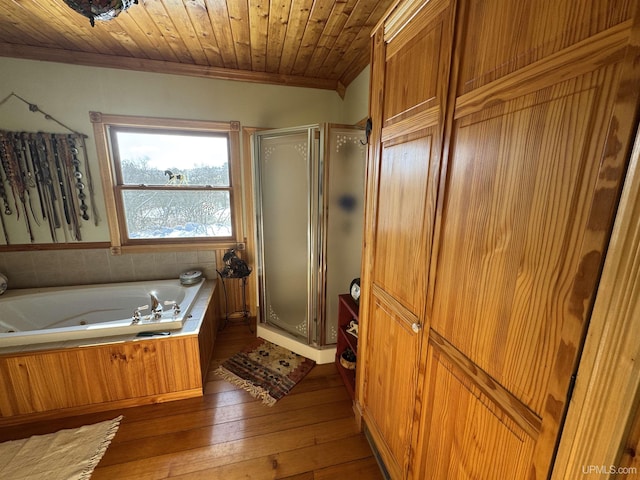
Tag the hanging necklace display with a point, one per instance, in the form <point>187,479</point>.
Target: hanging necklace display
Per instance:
<point>27,175</point>
<point>47,182</point>
<point>94,210</point>
<point>71,184</point>
<point>51,168</point>
<point>3,192</point>
<point>60,179</point>
<point>3,195</point>
<point>77,174</point>
<point>32,158</point>
<point>45,170</point>
<point>11,165</point>
<point>46,156</point>
<point>4,167</point>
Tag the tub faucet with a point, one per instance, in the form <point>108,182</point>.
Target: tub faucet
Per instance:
<point>156,306</point>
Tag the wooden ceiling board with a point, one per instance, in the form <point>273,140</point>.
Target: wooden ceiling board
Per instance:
<point>300,10</point>
<point>18,28</point>
<point>258,32</point>
<point>79,38</point>
<point>146,36</point>
<point>197,11</point>
<point>313,30</point>
<point>239,19</point>
<point>310,43</point>
<point>222,30</point>
<point>178,18</point>
<point>279,15</point>
<point>333,27</point>
<point>357,37</point>
<point>164,23</point>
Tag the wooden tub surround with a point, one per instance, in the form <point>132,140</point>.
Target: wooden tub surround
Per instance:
<point>56,381</point>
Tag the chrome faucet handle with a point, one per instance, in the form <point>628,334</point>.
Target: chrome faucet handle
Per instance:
<point>136,315</point>
<point>175,306</point>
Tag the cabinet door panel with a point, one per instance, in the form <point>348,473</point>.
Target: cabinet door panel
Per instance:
<point>534,169</point>
<point>400,252</point>
<point>492,52</point>
<point>411,69</point>
<point>470,429</point>
<point>391,378</point>
<point>395,305</point>
<point>507,269</point>
<point>403,164</point>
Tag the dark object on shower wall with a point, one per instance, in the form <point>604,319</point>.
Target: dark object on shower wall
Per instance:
<point>347,202</point>
<point>45,174</point>
<point>367,131</point>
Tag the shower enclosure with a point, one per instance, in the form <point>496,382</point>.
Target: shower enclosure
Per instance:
<point>309,188</point>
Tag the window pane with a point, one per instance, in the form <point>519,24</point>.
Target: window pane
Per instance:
<point>177,214</point>
<point>173,158</point>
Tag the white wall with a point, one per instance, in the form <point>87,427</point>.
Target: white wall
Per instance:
<point>69,92</point>
<point>356,100</point>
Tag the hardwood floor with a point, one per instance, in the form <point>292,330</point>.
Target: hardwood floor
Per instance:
<point>310,434</point>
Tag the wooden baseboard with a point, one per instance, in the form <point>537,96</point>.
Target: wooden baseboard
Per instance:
<point>381,450</point>
<point>357,410</point>
<point>99,407</point>
<point>376,452</point>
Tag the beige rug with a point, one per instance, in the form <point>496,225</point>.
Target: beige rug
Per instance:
<point>65,455</point>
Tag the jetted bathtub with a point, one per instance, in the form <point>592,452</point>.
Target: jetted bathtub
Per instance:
<point>41,315</point>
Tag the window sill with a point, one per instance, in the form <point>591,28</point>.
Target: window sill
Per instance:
<point>176,247</point>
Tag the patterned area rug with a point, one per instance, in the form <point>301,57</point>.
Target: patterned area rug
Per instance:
<point>265,370</point>
<point>65,455</point>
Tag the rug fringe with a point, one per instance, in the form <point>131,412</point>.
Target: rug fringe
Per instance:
<point>102,448</point>
<point>254,390</point>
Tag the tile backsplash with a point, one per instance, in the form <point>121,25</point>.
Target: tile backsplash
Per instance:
<point>52,268</point>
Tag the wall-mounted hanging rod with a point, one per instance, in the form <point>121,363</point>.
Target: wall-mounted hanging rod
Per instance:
<point>34,108</point>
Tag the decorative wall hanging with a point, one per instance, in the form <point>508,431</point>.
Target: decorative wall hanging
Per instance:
<point>45,179</point>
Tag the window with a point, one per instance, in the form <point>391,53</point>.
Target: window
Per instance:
<point>170,181</point>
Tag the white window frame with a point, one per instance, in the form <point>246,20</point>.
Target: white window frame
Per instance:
<point>103,123</point>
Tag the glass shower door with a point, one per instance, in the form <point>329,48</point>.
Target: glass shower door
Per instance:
<point>346,158</point>
<point>287,166</point>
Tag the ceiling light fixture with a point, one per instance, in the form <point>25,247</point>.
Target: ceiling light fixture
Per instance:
<point>100,9</point>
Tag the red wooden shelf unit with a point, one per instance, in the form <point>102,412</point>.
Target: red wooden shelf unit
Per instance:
<point>347,311</point>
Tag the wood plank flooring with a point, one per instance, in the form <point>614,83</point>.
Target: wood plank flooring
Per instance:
<point>310,434</point>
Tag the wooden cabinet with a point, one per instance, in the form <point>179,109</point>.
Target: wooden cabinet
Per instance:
<point>347,313</point>
<point>501,137</point>
<point>408,94</point>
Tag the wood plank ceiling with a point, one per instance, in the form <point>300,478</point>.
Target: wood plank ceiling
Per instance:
<point>310,43</point>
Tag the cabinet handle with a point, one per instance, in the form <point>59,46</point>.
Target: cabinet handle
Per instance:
<point>416,327</point>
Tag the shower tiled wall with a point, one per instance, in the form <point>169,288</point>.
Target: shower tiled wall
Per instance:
<point>50,268</point>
